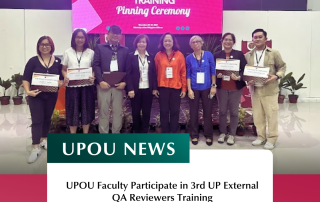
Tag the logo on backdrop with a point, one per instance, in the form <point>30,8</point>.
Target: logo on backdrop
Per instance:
<point>247,46</point>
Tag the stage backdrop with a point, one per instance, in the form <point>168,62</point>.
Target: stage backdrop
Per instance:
<point>148,16</point>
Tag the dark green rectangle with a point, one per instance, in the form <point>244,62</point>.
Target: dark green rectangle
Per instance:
<point>176,148</point>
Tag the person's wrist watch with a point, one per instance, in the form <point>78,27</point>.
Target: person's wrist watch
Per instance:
<point>213,85</point>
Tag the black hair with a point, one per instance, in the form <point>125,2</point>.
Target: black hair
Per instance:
<point>260,30</point>
<point>175,46</point>
<point>115,29</point>
<point>138,38</point>
<point>232,36</point>
<point>73,39</point>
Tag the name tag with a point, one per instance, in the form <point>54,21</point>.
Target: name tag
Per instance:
<point>144,75</point>
<point>114,66</point>
<point>200,77</point>
<point>226,78</point>
<point>169,74</point>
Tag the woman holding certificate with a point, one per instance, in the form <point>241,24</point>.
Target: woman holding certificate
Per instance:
<point>41,79</point>
<point>230,65</point>
<point>201,81</point>
<point>141,83</point>
<point>172,82</point>
<point>79,78</point>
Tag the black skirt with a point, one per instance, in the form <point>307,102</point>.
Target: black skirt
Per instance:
<point>80,105</point>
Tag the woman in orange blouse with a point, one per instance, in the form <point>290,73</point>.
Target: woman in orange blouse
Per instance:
<point>172,82</point>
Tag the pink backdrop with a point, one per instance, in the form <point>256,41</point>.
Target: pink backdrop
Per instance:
<point>96,15</point>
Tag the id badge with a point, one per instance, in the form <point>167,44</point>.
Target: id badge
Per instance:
<point>226,78</point>
<point>200,77</point>
<point>114,66</point>
<point>169,74</point>
<point>144,75</point>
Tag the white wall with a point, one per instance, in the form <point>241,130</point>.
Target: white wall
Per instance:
<point>20,31</point>
<point>12,42</point>
<point>313,5</point>
<point>294,34</point>
<point>56,24</point>
<point>314,55</point>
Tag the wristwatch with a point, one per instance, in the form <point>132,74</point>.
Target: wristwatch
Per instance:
<point>214,85</point>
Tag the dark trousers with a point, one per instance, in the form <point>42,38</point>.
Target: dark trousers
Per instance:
<point>228,100</point>
<point>41,108</point>
<point>169,101</point>
<point>207,113</point>
<point>142,101</point>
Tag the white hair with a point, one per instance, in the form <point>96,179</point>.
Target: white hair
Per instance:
<point>195,37</point>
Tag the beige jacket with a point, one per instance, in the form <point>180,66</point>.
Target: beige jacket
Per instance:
<point>277,66</point>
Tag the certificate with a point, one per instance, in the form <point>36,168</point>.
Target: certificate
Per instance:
<point>79,76</point>
<point>227,66</point>
<point>45,82</point>
<point>79,73</point>
<point>258,75</point>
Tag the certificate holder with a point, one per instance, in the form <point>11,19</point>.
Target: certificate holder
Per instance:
<point>113,78</point>
<point>227,66</point>
<point>259,75</point>
<point>45,82</point>
<point>79,76</point>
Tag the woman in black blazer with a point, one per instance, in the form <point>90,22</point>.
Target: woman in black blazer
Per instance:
<point>141,83</point>
<point>229,90</point>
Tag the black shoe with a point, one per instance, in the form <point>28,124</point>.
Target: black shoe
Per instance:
<point>209,143</point>
<point>194,142</point>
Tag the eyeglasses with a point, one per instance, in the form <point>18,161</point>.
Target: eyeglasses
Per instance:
<point>80,37</point>
<point>195,42</point>
<point>45,45</point>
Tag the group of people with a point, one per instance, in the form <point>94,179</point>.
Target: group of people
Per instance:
<point>168,76</point>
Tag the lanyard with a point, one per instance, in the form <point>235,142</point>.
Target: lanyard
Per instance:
<point>171,58</point>
<point>47,66</point>
<point>144,61</point>
<point>79,60</point>
<point>199,62</point>
<point>258,61</point>
<point>114,49</point>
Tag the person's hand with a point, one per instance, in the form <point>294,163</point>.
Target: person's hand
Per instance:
<point>271,78</point>
<point>156,93</point>
<point>104,85</point>
<point>219,76</point>
<point>121,85</point>
<point>66,80</point>
<point>235,78</point>
<point>213,91</point>
<point>191,94</point>
<point>60,83</point>
<point>131,94</point>
<point>182,94</point>
<point>250,83</point>
<point>91,78</point>
<point>33,93</point>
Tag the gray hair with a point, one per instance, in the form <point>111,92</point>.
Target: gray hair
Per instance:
<point>195,37</point>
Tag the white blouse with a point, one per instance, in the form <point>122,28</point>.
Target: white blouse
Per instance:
<point>145,67</point>
<point>73,59</point>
